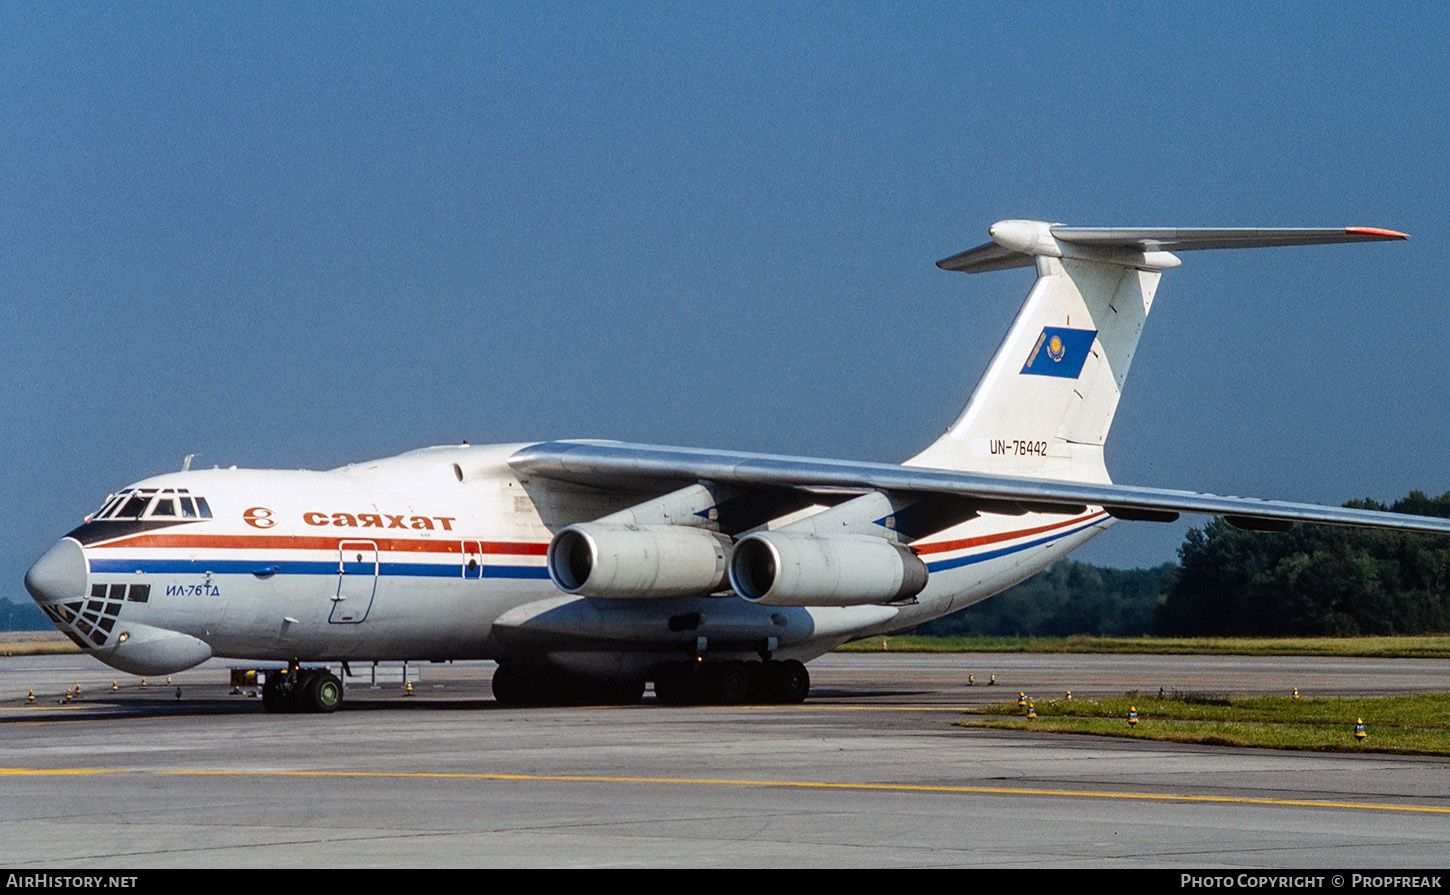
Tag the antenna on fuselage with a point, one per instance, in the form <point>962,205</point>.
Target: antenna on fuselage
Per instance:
<point>186,464</point>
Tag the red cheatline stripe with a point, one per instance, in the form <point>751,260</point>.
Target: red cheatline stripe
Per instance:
<point>306,542</point>
<point>944,546</point>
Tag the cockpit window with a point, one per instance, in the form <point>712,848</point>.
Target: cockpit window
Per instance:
<point>154,503</point>
<point>110,504</point>
<point>133,508</point>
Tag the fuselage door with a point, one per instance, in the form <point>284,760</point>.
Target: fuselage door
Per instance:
<point>357,582</point>
<point>472,560</point>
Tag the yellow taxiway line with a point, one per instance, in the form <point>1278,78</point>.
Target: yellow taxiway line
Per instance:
<point>787,784</point>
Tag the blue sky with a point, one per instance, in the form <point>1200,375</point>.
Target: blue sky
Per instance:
<point>299,235</point>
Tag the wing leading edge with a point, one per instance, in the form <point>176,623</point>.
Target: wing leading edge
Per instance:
<point>618,465</point>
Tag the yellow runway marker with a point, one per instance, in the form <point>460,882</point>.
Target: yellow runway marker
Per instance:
<point>56,772</point>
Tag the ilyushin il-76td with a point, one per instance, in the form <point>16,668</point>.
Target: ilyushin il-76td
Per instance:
<point>590,569</point>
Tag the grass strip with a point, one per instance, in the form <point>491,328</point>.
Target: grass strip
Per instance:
<point>1425,646</point>
<point>35,643</point>
<point>1418,724</point>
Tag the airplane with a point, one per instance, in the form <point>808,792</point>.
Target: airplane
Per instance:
<point>590,569</point>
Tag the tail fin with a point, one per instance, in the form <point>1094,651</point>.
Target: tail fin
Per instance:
<point>1047,400</point>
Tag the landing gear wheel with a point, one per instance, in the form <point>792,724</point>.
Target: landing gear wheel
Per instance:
<point>731,683</point>
<point>320,692</point>
<point>788,681</point>
<point>510,685</point>
<point>293,689</point>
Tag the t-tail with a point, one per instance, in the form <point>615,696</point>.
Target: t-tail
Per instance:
<point>1047,400</point>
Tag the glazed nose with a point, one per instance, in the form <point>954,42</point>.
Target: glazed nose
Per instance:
<point>59,574</point>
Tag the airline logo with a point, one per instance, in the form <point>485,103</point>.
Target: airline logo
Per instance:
<point>1060,351</point>
<point>263,517</point>
<point>258,517</point>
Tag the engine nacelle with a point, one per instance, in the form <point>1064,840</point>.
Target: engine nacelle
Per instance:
<point>604,559</point>
<point>787,568</point>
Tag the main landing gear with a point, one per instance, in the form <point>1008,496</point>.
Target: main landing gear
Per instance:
<point>298,689</point>
<point>731,683</point>
<point>676,683</point>
<point>532,685</point>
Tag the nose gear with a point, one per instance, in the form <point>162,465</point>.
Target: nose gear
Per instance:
<point>297,689</point>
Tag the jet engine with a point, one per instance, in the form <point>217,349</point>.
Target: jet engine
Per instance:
<point>606,559</point>
<point>799,568</point>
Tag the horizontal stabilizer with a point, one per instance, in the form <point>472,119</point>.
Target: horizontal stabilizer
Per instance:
<point>1170,239</point>
<point>1016,242</point>
<point>986,258</point>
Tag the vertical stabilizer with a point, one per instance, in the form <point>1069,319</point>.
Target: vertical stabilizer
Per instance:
<point>1049,395</point>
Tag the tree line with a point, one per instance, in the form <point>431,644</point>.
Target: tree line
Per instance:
<point>1315,580</point>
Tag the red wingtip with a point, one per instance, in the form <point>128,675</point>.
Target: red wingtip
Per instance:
<point>1375,231</point>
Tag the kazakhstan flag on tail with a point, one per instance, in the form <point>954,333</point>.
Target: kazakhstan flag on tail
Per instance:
<point>1060,352</point>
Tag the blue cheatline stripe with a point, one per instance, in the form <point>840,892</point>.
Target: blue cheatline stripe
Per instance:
<point>993,554</point>
<point>413,570</point>
<point>216,567</point>
<point>432,570</point>
<point>262,567</point>
<point>515,572</point>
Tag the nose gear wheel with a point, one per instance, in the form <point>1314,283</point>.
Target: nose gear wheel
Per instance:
<point>296,689</point>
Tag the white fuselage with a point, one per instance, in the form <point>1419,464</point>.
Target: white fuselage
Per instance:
<point>421,556</point>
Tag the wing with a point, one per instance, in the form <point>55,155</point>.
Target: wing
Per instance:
<point>651,468</point>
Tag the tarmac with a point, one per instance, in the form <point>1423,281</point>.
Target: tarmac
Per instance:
<point>869,772</point>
